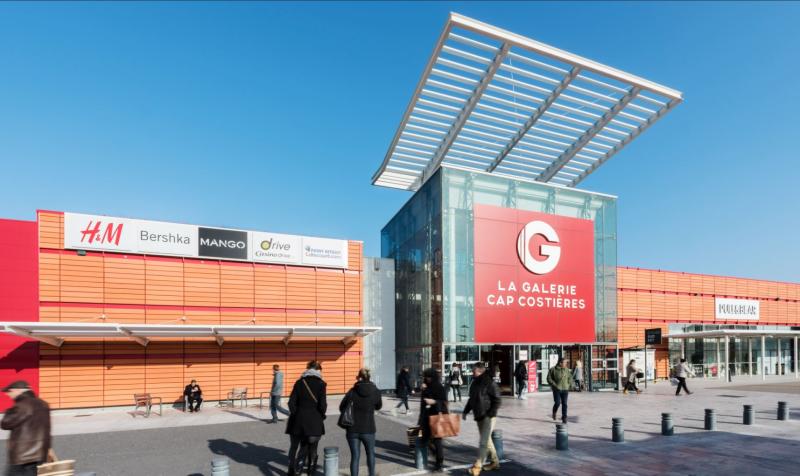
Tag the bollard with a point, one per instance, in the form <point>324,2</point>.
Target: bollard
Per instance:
<point>666,424</point>
<point>747,415</point>
<point>783,411</point>
<point>220,467</point>
<point>331,463</point>
<point>562,438</point>
<point>420,453</point>
<point>711,419</point>
<point>617,431</point>
<point>497,441</point>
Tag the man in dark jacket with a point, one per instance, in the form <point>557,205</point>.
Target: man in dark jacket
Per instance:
<point>29,423</point>
<point>403,389</point>
<point>521,375</point>
<point>193,395</point>
<point>484,401</point>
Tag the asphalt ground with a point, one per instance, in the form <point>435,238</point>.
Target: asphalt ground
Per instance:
<point>253,447</point>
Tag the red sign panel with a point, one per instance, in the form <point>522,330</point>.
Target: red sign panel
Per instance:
<point>533,379</point>
<point>534,277</point>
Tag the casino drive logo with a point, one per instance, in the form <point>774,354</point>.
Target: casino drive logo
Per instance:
<point>549,251</point>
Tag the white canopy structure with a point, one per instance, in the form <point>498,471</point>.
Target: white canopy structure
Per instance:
<point>54,333</point>
<point>494,101</point>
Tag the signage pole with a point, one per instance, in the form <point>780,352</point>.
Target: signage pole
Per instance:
<point>645,362</point>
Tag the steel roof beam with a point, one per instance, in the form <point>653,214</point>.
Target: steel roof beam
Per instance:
<point>54,341</point>
<point>568,154</point>
<point>466,111</point>
<point>549,100</point>
<point>138,339</point>
<point>650,121</point>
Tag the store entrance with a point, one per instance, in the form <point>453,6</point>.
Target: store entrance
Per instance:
<point>499,359</point>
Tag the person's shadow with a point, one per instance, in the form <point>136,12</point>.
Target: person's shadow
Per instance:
<point>265,458</point>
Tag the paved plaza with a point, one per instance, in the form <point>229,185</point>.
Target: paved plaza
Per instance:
<point>115,442</point>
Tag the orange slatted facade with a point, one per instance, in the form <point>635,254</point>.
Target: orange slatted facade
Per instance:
<point>120,288</point>
<point>649,299</point>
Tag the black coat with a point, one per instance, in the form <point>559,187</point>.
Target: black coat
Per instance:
<point>366,401</point>
<point>484,397</point>
<point>187,392</point>
<point>306,415</point>
<point>403,385</point>
<point>29,423</point>
<point>521,372</point>
<point>436,391</point>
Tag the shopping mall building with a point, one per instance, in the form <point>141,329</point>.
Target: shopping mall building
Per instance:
<point>496,256</point>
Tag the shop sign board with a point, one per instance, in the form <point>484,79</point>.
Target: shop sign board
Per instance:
<point>533,379</point>
<point>534,277</point>
<point>736,309</point>
<point>652,336</point>
<point>127,235</point>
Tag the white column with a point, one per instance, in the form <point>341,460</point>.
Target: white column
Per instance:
<point>750,355</point>
<point>727,359</point>
<point>778,345</point>
<point>683,349</point>
<point>763,358</point>
<point>795,361</point>
<point>719,362</point>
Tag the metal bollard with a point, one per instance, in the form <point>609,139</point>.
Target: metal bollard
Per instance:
<point>747,415</point>
<point>783,411</point>
<point>666,424</point>
<point>420,453</point>
<point>331,463</point>
<point>617,431</point>
<point>562,438</point>
<point>711,419</point>
<point>497,441</point>
<point>220,467</point>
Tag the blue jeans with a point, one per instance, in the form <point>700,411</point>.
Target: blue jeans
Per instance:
<point>368,439</point>
<point>275,406</point>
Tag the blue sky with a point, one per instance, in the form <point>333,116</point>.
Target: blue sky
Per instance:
<point>274,116</point>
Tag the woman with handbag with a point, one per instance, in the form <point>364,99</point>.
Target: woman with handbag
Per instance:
<point>434,402</point>
<point>358,409</point>
<point>305,426</point>
<point>632,373</point>
<point>455,381</point>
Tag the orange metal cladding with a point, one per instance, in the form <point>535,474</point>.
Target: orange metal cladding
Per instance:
<point>155,289</point>
<point>649,299</point>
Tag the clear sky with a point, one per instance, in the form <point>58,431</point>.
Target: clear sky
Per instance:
<point>274,117</point>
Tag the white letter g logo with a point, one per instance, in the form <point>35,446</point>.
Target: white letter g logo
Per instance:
<point>552,253</point>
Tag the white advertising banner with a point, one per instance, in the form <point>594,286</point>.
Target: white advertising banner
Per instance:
<point>275,248</point>
<point>126,235</point>
<point>736,309</point>
<point>324,252</point>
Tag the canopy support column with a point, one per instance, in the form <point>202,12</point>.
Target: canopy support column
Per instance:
<point>750,355</point>
<point>727,358</point>
<point>54,341</point>
<point>780,367</point>
<point>763,358</point>
<point>795,361</point>
<point>719,361</point>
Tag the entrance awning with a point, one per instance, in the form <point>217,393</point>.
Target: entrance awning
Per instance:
<point>734,333</point>
<point>54,333</point>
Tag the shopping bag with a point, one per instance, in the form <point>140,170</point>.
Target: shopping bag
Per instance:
<point>445,425</point>
<point>673,381</point>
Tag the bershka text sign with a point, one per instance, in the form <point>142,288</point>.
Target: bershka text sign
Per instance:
<point>127,235</point>
<point>534,277</point>
<point>736,309</point>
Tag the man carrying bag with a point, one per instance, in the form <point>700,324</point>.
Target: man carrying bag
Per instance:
<point>484,401</point>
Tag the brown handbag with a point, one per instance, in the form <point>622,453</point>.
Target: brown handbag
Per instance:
<point>445,425</point>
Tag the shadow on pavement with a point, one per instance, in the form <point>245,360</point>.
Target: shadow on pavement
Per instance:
<point>250,454</point>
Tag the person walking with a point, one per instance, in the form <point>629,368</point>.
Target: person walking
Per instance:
<point>631,372</point>
<point>577,375</point>
<point>403,389</point>
<point>433,402</point>
<point>521,376</point>
<point>29,423</point>
<point>275,394</point>
<point>456,381</point>
<point>366,400</point>
<point>681,371</point>
<point>193,395</point>
<point>305,426</point>
<point>560,380</point>
<point>483,402</point>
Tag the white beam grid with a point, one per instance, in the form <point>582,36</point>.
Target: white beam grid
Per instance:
<point>494,101</point>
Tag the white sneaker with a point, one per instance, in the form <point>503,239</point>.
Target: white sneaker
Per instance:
<point>394,411</point>
<point>409,412</point>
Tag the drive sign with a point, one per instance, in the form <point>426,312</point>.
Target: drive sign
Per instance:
<point>534,277</point>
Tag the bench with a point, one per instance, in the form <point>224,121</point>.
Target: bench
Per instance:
<point>237,393</point>
<point>146,400</point>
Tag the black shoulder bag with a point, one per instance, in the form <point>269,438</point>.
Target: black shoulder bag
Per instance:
<point>346,417</point>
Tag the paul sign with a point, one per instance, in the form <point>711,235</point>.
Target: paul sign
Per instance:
<point>534,277</point>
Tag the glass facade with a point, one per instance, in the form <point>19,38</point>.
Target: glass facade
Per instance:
<point>745,354</point>
<point>431,241</point>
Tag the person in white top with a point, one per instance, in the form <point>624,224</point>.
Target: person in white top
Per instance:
<point>681,371</point>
